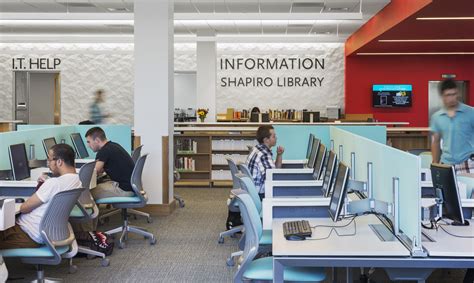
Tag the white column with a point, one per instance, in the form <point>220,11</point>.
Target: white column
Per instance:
<point>153,97</point>
<point>206,76</point>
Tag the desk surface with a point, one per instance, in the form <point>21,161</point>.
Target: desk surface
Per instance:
<point>364,243</point>
<point>446,245</point>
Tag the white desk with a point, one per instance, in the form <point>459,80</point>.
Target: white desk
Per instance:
<point>446,245</point>
<point>270,185</point>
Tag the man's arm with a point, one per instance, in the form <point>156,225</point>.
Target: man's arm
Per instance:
<point>279,158</point>
<point>32,203</point>
<point>99,167</point>
<point>435,147</point>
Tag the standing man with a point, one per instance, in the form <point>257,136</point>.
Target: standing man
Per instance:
<point>26,232</point>
<point>454,124</point>
<point>112,159</point>
<point>261,157</point>
<point>97,114</point>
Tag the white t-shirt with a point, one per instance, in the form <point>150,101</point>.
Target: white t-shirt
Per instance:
<point>30,222</point>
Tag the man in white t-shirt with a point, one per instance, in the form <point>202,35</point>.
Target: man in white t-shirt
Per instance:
<point>26,232</point>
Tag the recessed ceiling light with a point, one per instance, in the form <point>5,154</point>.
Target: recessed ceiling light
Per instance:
<point>428,40</point>
<point>444,18</point>
<point>417,53</point>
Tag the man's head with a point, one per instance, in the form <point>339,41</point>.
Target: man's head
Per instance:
<point>96,138</point>
<point>99,95</point>
<point>61,159</point>
<point>266,135</point>
<point>449,93</point>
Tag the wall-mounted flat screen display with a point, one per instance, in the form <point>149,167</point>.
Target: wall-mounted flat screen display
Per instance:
<point>391,95</point>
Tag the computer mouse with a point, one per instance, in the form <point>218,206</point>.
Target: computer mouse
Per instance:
<point>19,200</point>
<point>295,238</point>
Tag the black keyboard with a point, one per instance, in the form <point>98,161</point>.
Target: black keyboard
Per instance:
<point>296,230</point>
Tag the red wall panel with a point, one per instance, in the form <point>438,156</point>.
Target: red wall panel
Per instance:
<point>361,72</point>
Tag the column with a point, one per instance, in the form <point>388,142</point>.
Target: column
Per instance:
<point>153,98</point>
<point>206,74</point>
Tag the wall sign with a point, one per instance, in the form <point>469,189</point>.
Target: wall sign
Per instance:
<point>253,67</point>
<point>23,63</point>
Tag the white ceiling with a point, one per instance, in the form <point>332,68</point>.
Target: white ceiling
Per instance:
<point>305,18</point>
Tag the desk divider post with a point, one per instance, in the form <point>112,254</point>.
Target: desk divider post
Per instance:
<point>395,210</point>
<point>370,180</point>
<point>332,145</point>
<point>341,151</point>
<point>353,165</point>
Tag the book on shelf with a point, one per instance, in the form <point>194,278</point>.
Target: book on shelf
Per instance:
<point>185,164</point>
<point>186,146</point>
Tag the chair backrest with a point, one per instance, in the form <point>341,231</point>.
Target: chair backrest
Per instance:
<point>417,151</point>
<point>85,199</point>
<point>253,231</point>
<point>469,182</point>
<point>426,159</point>
<point>137,153</point>
<point>244,169</point>
<point>54,226</point>
<point>136,179</point>
<point>233,171</point>
<point>248,185</point>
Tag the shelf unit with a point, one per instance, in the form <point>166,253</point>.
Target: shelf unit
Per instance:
<point>211,168</point>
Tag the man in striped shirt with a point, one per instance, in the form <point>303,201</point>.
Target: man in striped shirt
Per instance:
<point>261,157</point>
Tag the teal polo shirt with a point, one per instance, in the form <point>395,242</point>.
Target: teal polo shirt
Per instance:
<point>457,133</point>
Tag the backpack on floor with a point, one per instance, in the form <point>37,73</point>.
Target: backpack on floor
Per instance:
<point>233,220</point>
<point>97,241</point>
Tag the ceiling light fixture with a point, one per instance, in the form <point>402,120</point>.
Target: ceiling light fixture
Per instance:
<point>417,53</point>
<point>443,18</point>
<point>428,40</point>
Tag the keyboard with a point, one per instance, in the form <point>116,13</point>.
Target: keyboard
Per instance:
<point>297,230</point>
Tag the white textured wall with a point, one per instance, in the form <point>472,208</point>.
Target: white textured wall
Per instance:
<point>315,98</point>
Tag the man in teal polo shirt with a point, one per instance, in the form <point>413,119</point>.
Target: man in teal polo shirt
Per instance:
<point>454,124</point>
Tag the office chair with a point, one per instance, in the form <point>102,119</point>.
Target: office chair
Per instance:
<point>231,203</point>
<point>124,203</point>
<point>244,169</point>
<point>426,159</point>
<point>469,182</point>
<point>86,209</point>
<point>417,151</point>
<point>57,235</point>
<point>135,155</point>
<point>262,269</point>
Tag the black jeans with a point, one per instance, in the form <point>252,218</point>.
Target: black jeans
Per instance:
<point>261,196</point>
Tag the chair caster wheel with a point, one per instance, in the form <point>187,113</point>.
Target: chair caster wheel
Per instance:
<point>72,269</point>
<point>149,220</point>
<point>181,204</point>
<point>90,256</point>
<point>221,240</point>
<point>122,245</point>
<point>153,241</point>
<point>230,262</point>
<point>105,262</point>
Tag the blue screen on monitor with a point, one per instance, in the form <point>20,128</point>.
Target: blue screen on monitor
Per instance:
<point>391,95</point>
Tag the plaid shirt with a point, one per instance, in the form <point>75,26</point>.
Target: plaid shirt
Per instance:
<point>258,161</point>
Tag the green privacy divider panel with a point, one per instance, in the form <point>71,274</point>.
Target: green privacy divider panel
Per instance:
<point>387,163</point>
<point>34,134</point>
<point>295,137</point>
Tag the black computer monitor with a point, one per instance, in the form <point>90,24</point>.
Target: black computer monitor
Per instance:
<point>48,143</point>
<point>444,178</point>
<point>307,116</point>
<point>79,145</point>
<point>314,152</point>
<point>310,145</point>
<point>340,191</point>
<point>329,174</point>
<point>19,162</point>
<point>320,158</point>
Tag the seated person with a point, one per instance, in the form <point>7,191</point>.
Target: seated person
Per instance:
<point>261,157</point>
<point>26,233</point>
<point>112,159</point>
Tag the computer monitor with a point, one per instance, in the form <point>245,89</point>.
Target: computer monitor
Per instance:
<point>48,143</point>
<point>320,158</point>
<point>19,162</point>
<point>79,146</point>
<point>307,116</point>
<point>444,178</point>
<point>310,145</point>
<point>328,176</point>
<point>314,152</point>
<point>340,191</point>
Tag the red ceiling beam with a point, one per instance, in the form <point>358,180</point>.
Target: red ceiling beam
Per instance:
<point>388,17</point>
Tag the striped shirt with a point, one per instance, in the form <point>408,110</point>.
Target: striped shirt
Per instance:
<point>258,161</point>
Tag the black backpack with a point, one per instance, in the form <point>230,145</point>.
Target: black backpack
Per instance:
<point>97,241</point>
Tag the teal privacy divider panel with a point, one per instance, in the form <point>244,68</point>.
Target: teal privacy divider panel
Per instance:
<point>387,163</point>
<point>295,137</point>
<point>34,134</point>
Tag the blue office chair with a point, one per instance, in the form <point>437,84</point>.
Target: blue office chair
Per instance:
<point>56,234</point>
<point>244,169</point>
<point>262,269</point>
<point>469,181</point>
<point>426,159</point>
<point>139,200</point>
<point>86,210</point>
<point>137,152</point>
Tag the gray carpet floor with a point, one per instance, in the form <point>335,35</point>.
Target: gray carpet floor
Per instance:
<point>186,249</point>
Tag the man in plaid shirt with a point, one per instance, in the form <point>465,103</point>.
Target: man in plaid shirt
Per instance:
<point>261,157</point>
